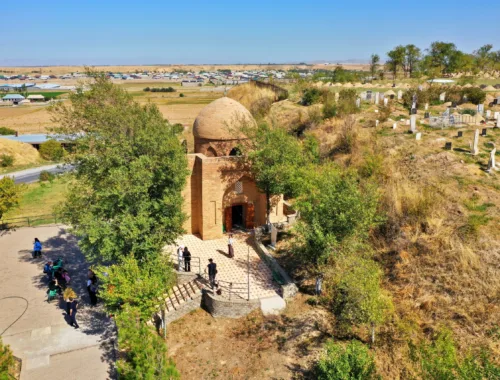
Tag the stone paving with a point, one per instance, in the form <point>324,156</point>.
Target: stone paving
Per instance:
<point>231,269</point>
<point>37,331</point>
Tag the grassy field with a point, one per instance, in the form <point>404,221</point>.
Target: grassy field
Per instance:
<point>41,198</point>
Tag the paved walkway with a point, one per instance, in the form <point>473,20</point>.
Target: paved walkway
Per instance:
<point>36,330</point>
<point>231,270</point>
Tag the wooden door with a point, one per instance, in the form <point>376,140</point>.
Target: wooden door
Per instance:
<point>228,218</point>
<point>250,216</point>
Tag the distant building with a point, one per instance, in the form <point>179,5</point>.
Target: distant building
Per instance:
<point>36,98</point>
<point>14,98</point>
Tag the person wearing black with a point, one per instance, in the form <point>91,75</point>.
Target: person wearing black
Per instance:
<point>186,255</point>
<point>54,286</point>
<point>212,272</point>
<point>92,289</point>
<point>72,313</point>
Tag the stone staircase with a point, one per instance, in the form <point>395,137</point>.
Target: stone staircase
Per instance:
<point>179,301</point>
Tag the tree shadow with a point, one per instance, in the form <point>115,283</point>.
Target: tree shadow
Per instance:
<point>93,320</point>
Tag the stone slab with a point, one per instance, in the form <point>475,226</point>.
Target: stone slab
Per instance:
<point>272,305</point>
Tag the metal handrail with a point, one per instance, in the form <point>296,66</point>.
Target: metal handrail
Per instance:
<point>196,259</point>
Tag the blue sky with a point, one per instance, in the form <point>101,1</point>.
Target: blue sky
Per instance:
<point>116,32</point>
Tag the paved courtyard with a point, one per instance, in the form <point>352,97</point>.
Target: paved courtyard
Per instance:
<point>36,330</point>
<point>231,270</point>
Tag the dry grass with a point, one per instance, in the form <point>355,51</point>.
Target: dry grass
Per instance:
<point>24,154</point>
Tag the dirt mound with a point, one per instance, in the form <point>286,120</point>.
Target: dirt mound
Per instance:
<point>252,97</point>
<point>24,154</point>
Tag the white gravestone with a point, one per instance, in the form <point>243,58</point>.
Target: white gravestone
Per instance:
<point>376,123</point>
<point>418,136</point>
<point>358,102</point>
<point>488,114</point>
<point>495,115</point>
<point>274,235</point>
<point>394,126</point>
<point>386,101</point>
<point>498,122</point>
<point>442,97</point>
<point>337,95</point>
<point>400,95</point>
<point>413,123</point>
<point>480,109</point>
<point>492,164</point>
<point>377,98</point>
<point>426,106</point>
<point>474,149</point>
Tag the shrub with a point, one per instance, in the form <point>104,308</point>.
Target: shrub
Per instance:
<point>52,150</point>
<point>311,96</point>
<point>347,102</point>
<point>181,95</point>
<point>475,95</point>
<point>352,361</point>
<point>348,136</point>
<point>46,176</point>
<point>178,128</point>
<point>9,195</point>
<point>147,89</point>
<point>4,131</point>
<point>143,352</point>
<point>6,361</point>
<point>330,110</point>
<point>6,160</point>
<point>383,113</point>
<point>468,112</point>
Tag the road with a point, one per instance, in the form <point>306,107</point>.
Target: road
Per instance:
<point>33,175</point>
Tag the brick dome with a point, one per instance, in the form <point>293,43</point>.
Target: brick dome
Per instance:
<point>216,120</point>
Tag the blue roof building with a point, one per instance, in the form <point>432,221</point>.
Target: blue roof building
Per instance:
<point>13,98</point>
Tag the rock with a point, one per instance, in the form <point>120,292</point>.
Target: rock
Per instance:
<point>272,305</point>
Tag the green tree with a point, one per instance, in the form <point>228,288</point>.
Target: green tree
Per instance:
<point>130,174</point>
<point>52,150</point>
<point>272,156</point>
<point>311,96</point>
<point>358,298</point>
<point>143,354</point>
<point>352,361</point>
<point>333,206</point>
<point>443,57</point>
<point>6,160</point>
<point>134,284</point>
<point>412,59</point>
<point>9,195</point>
<point>6,361</point>
<point>396,60</point>
<point>374,64</point>
<point>484,57</point>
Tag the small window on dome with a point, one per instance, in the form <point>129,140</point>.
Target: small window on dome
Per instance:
<point>238,187</point>
<point>235,152</point>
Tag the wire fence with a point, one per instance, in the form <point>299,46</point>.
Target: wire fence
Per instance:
<point>28,221</point>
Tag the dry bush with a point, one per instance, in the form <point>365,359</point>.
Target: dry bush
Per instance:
<point>257,100</point>
<point>23,154</point>
<point>347,141</point>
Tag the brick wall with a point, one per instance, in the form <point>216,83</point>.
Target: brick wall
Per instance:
<point>184,309</point>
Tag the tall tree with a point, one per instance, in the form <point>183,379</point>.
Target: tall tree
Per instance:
<point>484,57</point>
<point>374,64</point>
<point>396,60</point>
<point>131,170</point>
<point>273,157</point>
<point>443,56</point>
<point>9,195</point>
<point>412,58</point>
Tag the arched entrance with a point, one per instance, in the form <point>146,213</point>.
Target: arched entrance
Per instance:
<point>239,216</point>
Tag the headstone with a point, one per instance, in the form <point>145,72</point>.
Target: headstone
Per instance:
<point>420,87</point>
<point>414,105</point>
<point>474,149</point>
<point>442,97</point>
<point>426,106</point>
<point>453,104</point>
<point>480,109</point>
<point>386,101</point>
<point>491,163</point>
<point>447,112</point>
<point>427,115</point>
<point>407,121</point>
<point>447,146</point>
<point>413,123</point>
<point>363,95</point>
<point>394,126</point>
<point>337,96</point>
<point>400,95</point>
<point>358,102</point>
<point>382,96</point>
<point>413,111</point>
<point>418,136</point>
<point>488,114</point>
<point>368,95</point>
<point>377,98</point>
<point>274,235</point>
<point>376,123</point>
<point>484,132</point>
<point>495,115</point>
<point>498,122</point>
<point>460,134</point>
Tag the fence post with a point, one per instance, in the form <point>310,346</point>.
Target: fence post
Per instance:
<point>248,273</point>
<point>29,225</point>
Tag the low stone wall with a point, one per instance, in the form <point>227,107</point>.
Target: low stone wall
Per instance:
<point>184,309</point>
<point>287,287</point>
<point>222,307</point>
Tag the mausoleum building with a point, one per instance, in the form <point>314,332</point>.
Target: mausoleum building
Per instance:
<point>220,195</point>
